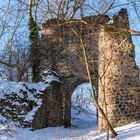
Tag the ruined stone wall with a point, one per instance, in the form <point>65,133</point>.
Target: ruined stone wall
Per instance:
<point>119,90</point>
<point>112,63</point>
<point>64,55</point>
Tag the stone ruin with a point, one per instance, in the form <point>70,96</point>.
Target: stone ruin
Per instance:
<point>111,58</point>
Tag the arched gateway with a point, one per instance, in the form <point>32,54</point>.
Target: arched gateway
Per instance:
<point>110,54</point>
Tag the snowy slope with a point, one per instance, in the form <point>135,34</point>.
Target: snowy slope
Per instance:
<point>128,132</point>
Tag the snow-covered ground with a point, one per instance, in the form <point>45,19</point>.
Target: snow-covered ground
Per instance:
<point>128,132</point>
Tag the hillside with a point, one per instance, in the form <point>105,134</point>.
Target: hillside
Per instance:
<point>127,132</point>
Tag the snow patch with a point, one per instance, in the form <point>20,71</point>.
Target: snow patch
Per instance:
<point>49,76</point>
<point>127,132</point>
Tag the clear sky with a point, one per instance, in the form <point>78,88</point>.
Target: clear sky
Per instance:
<point>135,24</point>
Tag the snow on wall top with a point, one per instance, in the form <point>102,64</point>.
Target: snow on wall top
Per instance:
<point>6,87</point>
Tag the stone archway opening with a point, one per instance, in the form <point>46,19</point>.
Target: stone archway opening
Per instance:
<point>83,111</point>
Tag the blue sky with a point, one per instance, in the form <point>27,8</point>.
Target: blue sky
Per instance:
<point>135,24</point>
